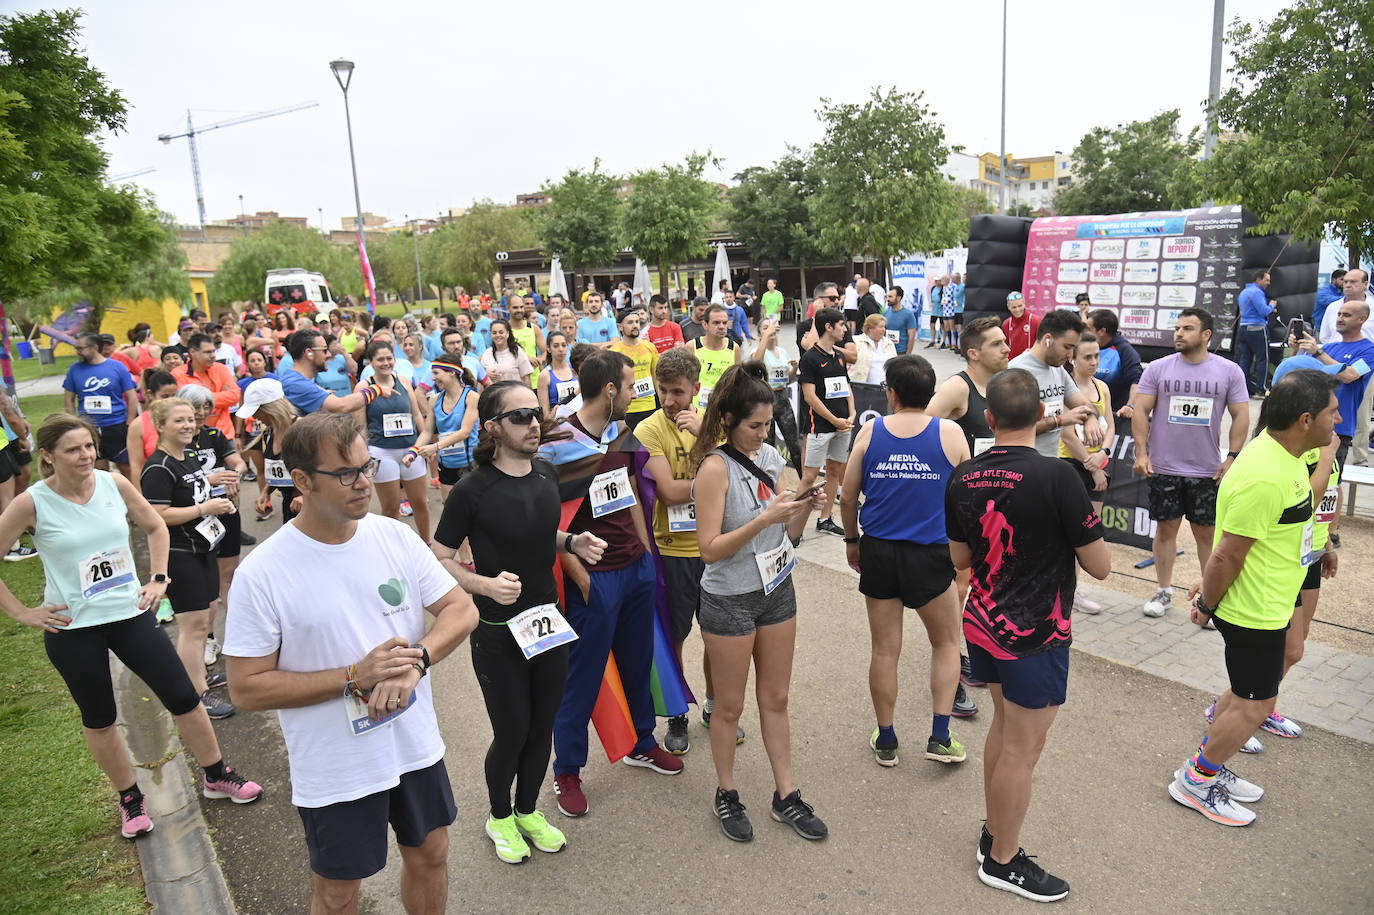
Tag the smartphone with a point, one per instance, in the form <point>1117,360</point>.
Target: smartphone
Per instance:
<point>808,492</point>
<point>1297,329</point>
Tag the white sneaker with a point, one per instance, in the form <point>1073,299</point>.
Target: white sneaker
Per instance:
<point>211,650</point>
<point>1252,746</point>
<point>1212,799</point>
<point>1158,605</point>
<point>1280,726</point>
<point>1082,605</point>
<point>1247,792</point>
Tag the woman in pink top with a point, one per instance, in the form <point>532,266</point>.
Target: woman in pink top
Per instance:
<point>505,361</point>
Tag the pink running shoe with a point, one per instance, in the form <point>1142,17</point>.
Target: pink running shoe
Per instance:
<point>233,786</point>
<point>133,817</point>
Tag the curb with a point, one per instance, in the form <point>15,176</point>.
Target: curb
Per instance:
<point>181,871</point>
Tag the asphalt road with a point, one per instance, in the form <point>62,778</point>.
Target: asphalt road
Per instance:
<point>899,837</point>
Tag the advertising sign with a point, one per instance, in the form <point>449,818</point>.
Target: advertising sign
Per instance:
<point>1144,266</point>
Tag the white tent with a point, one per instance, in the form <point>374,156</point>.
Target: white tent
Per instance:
<point>643,286</point>
<point>558,284</point>
<point>722,273</point>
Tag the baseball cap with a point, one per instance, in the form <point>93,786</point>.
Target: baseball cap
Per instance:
<point>105,339</point>
<point>264,390</point>
<point>322,319</point>
<point>1014,296</point>
<point>1304,361</point>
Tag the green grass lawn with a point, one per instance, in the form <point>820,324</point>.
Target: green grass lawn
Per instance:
<point>58,823</point>
<point>38,406</point>
<point>29,369</point>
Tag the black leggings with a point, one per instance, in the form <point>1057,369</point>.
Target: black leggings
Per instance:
<point>522,698</point>
<point>82,657</point>
<point>785,421</point>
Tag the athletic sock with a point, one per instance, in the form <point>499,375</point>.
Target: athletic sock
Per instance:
<point>939,728</point>
<point>131,793</point>
<point>887,736</point>
<point>215,771</point>
<point>1203,770</point>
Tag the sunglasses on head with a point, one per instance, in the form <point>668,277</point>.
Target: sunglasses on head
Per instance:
<point>522,416</point>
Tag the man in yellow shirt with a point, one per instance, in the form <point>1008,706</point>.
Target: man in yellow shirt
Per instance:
<point>645,356</point>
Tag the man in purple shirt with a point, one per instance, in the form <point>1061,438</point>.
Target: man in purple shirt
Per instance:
<point>1177,427</point>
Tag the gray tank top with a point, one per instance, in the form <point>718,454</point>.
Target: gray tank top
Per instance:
<point>745,497</point>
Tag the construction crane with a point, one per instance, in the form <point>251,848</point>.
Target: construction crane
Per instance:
<point>115,179</point>
<point>192,130</point>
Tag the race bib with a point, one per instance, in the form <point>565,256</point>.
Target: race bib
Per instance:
<point>610,492</point>
<point>704,397</point>
<point>566,389</point>
<point>982,444</point>
<point>1307,555</point>
<point>894,336</point>
<point>1054,406</point>
<point>455,453</point>
<point>395,424</point>
<point>777,376</point>
<point>682,517</point>
<point>1190,411</point>
<point>776,565</point>
<point>358,722</point>
<point>105,570</point>
<point>644,387</point>
<point>276,472</point>
<point>836,386</point>
<point>540,628</point>
<point>97,405</point>
<point>211,528</point>
<point>1326,508</point>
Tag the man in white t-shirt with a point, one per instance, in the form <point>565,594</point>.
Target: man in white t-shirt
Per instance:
<point>344,657</point>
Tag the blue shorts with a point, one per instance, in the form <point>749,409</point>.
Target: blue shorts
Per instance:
<point>1040,681</point>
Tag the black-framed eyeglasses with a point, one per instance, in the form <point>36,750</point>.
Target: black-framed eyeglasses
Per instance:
<point>349,475</point>
<point>522,416</point>
<point>833,298</point>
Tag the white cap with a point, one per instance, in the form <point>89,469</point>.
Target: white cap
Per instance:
<point>264,390</point>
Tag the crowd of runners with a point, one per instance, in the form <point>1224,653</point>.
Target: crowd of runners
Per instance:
<point>606,469</point>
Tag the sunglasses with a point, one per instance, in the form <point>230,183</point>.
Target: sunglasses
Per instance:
<point>522,416</point>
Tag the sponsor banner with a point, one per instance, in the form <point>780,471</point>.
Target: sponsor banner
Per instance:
<point>1148,265</point>
<point>1125,506</point>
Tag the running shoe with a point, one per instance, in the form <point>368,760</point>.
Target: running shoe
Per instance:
<point>734,822</point>
<point>406,510</point>
<point>951,751</point>
<point>658,759</point>
<point>1158,605</point>
<point>249,476</point>
<point>964,707</point>
<point>571,801</point>
<point>1247,792</point>
<point>1211,798</point>
<point>211,650</point>
<point>233,786</point>
<point>1081,604</point>
<point>1023,877</point>
<point>706,723</point>
<point>540,833</point>
<point>826,526</point>
<point>676,740</point>
<point>133,816</point>
<point>19,552</point>
<point>246,539</point>
<point>966,672</point>
<point>1280,726</point>
<point>885,756</point>
<point>984,842</point>
<point>164,611</point>
<point>264,515</point>
<point>216,706</point>
<point>800,815</point>
<point>216,679</point>
<point>510,845</point>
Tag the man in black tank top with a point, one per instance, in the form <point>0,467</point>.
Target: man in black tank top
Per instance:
<point>961,398</point>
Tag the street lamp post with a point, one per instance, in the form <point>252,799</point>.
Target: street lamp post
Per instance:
<point>1002,153</point>
<point>243,217</point>
<point>415,237</point>
<point>343,75</point>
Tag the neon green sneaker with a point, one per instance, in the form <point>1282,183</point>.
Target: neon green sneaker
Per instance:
<point>951,751</point>
<point>510,845</point>
<point>883,756</point>
<point>542,836</point>
<point>164,611</point>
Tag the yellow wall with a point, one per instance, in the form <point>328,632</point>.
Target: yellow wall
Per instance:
<point>1040,168</point>
<point>162,317</point>
<point>200,296</point>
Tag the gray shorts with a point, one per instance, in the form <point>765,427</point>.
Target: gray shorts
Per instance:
<point>827,446</point>
<point>742,614</point>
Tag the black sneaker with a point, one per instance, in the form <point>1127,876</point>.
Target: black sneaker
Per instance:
<point>676,740</point>
<point>984,843</point>
<point>216,706</point>
<point>826,526</point>
<point>216,679</point>
<point>734,822</point>
<point>800,815</point>
<point>1023,877</point>
<point>964,707</point>
<point>246,539</point>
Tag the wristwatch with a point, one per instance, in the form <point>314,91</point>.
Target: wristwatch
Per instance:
<point>851,540</point>
<point>1233,454</point>
<point>1335,540</point>
<point>424,654</point>
<point>1203,608</point>
<point>160,579</point>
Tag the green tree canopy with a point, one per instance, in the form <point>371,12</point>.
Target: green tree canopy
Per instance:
<point>881,188</point>
<point>278,245</point>
<point>1303,100</point>
<point>464,251</point>
<point>971,202</point>
<point>667,215</point>
<point>768,211</point>
<point>582,223</point>
<point>1132,168</point>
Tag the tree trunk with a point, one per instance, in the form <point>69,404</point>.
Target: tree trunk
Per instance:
<point>663,279</point>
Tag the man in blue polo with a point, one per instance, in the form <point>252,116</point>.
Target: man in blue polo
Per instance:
<point>1252,336</point>
<point>309,354</point>
<point>101,391</point>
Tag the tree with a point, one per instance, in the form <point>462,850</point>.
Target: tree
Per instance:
<point>881,188</point>
<point>667,216</point>
<point>242,274</point>
<point>1131,168</point>
<point>1020,209</point>
<point>972,202</point>
<point>768,211</point>
<point>465,250</point>
<point>1303,98</point>
<point>581,223</point>
<point>393,262</point>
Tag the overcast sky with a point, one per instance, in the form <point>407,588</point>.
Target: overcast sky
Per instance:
<point>454,102</point>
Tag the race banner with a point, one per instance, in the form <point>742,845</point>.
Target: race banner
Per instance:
<point>1145,267</point>
<point>1125,509</point>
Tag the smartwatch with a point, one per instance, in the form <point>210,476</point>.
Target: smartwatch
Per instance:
<point>160,579</point>
<point>424,654</point>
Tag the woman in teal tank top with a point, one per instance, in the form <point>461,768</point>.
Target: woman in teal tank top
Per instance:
<point>94,605</point>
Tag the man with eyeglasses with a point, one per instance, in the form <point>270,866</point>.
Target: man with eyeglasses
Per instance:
<point>348,670</point>
<point>309,354</point>
<point>102,392</point>
<point>215,377</point>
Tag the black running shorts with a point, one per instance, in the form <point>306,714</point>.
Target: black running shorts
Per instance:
<point>915,572</point>
<point>1254,659</point>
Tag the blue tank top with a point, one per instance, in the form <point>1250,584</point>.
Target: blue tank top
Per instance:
<point>904,485</point>
<point>389,421</point>
<point>459,455</point>
<point>555,398</point>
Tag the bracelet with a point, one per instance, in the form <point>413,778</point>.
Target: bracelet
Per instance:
<point>568,543</point>
<point>851,540</point>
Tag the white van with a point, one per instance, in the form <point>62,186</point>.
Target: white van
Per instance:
<point>298,289</point>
